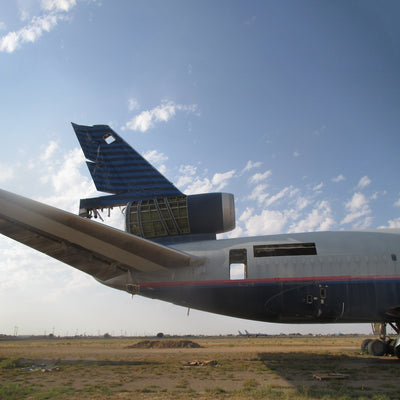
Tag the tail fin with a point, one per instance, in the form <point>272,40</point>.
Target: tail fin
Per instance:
<point>116,167</point>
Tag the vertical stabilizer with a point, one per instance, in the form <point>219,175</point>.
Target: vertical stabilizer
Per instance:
<point>117,168</point>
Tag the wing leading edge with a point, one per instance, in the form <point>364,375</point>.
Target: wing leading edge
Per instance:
<point>96,249</point>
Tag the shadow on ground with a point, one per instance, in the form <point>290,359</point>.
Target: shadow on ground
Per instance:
<point>365,376</point>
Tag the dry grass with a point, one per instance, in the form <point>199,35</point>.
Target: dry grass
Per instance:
<point>247,368</point>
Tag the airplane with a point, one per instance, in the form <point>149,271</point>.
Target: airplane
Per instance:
<point>169,250</point>
<point>248,334</point>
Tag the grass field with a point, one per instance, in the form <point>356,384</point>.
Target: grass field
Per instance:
<point>247,368</point>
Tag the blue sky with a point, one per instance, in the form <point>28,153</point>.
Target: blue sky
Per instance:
<point>293,106</point>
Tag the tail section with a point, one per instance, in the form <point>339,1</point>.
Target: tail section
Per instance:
<point>155,208</point>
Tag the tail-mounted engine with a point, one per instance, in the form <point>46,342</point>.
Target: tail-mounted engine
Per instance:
<point>181,218</point>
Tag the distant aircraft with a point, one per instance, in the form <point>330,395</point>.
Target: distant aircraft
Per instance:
<point>248,334</point>
<point>169,250</point>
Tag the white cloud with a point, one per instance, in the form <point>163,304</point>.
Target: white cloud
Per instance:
<point>6,173</point>
<point>247,213</point>
<point>272,199</point>
<point>296,154</point>
<point>162,113</point>
<point>393,224</point>
<point>338,178</point>
<point>187,172</point>
<point>10,42</point>
<point>250,165</point>
<point>258,177</point>
<point>357,207</point>
<point>397,203</point>
<point>364,182</point>
<point>199,186</point>
<point>268,222</point>
<point>157,159</point>
<point>219,181</point>
<point>30,33</point>
<point>67,182</point>
<point>265,199</point>
<point>133,104</point>
<point>259,194</point>
<point>49,151</point>
<point>319,219</point>
<point>26,8</point>
<point>54,11</point>
<point>318,187</point>
<point>58,5</point>
<point>191,181</point>
<point>302,203</point>
<point>205,185</point>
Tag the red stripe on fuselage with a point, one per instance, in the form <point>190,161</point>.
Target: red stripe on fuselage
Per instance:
<point>249,282</point>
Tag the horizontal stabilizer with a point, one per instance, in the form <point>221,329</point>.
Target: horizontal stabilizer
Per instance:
<point>94,248</point>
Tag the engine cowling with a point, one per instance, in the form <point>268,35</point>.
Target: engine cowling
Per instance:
<point>181,218</point>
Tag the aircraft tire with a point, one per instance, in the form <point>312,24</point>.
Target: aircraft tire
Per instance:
<point>364,345</point>
<point>377,348</point>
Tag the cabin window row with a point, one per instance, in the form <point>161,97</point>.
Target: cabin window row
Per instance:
<point>286,249</point>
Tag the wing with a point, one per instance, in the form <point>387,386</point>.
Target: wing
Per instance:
<point>96,249</point>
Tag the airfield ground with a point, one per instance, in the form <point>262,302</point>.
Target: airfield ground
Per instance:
<point>246,368</point>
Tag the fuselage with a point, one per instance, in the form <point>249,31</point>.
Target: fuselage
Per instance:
<point>295,278</point>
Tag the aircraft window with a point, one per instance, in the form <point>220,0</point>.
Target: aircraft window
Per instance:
<point>322,292</point>
<point>109,138</point>
<point>238,256</point>
<point>309,299</point>
<point>394,257</point>
<point>286,249</point>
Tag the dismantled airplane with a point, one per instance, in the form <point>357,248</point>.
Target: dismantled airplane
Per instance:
<point>169,250</point>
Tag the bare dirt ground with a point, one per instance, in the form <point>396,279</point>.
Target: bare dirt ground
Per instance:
<point>246,368</point>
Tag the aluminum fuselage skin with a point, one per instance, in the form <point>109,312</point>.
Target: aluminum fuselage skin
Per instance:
<point>353,277</point>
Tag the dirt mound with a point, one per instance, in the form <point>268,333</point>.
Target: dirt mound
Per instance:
<point>164,344</point>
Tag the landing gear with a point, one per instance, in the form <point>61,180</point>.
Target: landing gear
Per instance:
<point>377,347</point>
<point>384,345</point>
<point>364,345</point>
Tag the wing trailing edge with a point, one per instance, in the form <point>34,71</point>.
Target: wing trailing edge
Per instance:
<point>94,248</point>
